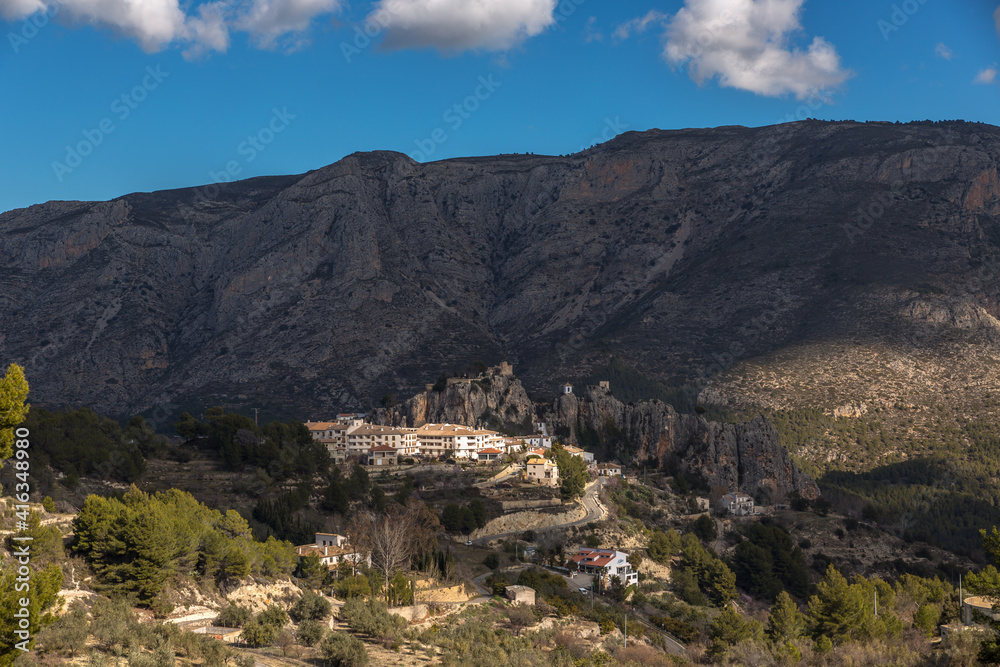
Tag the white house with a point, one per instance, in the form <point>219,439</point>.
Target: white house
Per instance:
<point>531,441</point>
<point>582,453</point>
<point>609,470</point>
<point>361,438</point>
<point>605,563</point>
<point>737,503</point>
<point>567,388</point>
<point>332,549</point>
<point>454,440</point>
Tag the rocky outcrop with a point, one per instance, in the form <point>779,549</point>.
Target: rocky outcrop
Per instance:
<point>744,457</point>
<point>496,398</point>
<point>519,522</point>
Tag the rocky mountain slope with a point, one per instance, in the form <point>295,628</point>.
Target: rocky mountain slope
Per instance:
<point>799,262</point>
<point>746,457</point>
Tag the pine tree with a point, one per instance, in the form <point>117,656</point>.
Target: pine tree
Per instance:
<point>837,610</point>
<point>729,628</point>
<point>13,408</point>
<point>785,623</point>
<point>44,586</point>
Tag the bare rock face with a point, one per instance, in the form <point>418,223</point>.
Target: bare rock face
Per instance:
<point>744,457</point>
<point>678,252</point>
<point>496,398</point>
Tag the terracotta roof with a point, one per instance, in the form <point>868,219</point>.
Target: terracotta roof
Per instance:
<point>589,560</point>
<point>383,448</point>
<point>451,429</point>
<point>321,426</point>
<point>374,429</point>
<point>490,450</point>
<point>596,557</point>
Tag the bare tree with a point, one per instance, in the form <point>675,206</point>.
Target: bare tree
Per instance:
<point>391,538</point>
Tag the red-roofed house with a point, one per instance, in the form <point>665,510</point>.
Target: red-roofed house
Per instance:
<point>605,563</point>
<point>489,454</point>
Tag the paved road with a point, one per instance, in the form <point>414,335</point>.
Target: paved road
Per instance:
<point>672,645</point>
<point>590,502</point>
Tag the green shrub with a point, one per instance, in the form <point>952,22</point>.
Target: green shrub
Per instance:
<point>310,606</point>
<point>343,650</point>
<point>370,618</point>
<point>310,632</point>
<point>257,633</point>
<point>353,587</point>
<point>233,616</point>
<point>274,616</point>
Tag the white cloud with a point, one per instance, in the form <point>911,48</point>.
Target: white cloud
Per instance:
<point>208,31</point>
<point>591,33</point>
<point>638,25</point>
<point>151,23</point>
<point>269,20</point>
<point>986,76</point>
<point>745,44</point>
<point>996,19</point>
<point>459,25</point>
<point>16,9</point>
<point>942,50</point>
<point>156,24</point>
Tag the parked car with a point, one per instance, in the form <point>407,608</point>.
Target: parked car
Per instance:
<point>468,543</point>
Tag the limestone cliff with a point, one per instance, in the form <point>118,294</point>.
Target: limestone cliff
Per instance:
<point>496,399</point>
<point>747,457</point>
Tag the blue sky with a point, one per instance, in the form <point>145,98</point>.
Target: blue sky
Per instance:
<point>106,97</point>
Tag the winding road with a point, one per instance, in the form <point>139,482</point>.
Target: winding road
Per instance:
<point>590,502</point>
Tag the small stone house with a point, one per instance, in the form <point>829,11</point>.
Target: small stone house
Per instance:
<point>520,594</point>
<point>383,455</point>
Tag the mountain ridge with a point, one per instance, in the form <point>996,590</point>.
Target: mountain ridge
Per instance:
<point>687,253</point>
